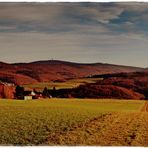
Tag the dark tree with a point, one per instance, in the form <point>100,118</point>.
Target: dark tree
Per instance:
<point>19,92</point>
<point>35,91</point>
<point>54,92</point>
<point>45,92</point>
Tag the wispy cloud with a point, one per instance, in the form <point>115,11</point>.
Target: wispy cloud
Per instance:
<point>56,17</point>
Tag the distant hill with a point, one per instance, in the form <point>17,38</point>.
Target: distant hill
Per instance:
<point>45,71</point>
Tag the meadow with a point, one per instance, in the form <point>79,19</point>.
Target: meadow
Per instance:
<point>73,122</point>
<point>61,85</point>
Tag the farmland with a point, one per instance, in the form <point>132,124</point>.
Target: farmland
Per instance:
<point>60,85</point>
<point>73,122</point>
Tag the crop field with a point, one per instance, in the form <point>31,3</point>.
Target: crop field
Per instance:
<point>74,122</point>
<point>60,85</point>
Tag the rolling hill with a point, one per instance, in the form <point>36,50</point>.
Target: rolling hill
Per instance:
<point>45,71</point>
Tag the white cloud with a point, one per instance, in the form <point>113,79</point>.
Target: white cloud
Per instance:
<point>54,13</point>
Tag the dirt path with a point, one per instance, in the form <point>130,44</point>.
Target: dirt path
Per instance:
<point>121,132</point>
<point>145,107</point>
<point>114,129</point>
<point>128,129</point>
<point>142,134</point>
<point>78,135</point>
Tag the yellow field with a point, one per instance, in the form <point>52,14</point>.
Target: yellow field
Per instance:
<point>59,85</point>
<point>73,122</point>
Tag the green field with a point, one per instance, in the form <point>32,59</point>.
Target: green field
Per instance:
<point>60,85</point>
<point>73,122</point>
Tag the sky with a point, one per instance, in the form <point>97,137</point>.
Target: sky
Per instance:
<point>115,33</point>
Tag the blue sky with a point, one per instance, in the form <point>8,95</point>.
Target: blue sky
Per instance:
<point>114,33</point>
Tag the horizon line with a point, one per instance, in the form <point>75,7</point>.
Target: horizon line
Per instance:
<point>58,60</point>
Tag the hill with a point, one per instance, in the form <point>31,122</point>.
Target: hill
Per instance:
<point>45,71</point>
<point>132,85</point>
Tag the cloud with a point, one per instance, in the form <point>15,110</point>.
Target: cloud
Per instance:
<point>65,17</point>
<point>26,12</point>
<point>54,17</point>
<point>134,6</point>
<point>132,19</point>
<point>92,13</point>
<point>70,17</point>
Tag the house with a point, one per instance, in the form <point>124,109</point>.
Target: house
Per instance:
<point>31,94</point>
<point>27,97</point>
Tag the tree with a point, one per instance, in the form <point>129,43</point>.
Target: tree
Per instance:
<point>45,92</point>
<point>54,92</point>
<point>19,92</point>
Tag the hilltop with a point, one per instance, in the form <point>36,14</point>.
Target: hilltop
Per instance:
<point>55,70</point>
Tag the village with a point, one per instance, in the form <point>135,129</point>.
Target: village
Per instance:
<point>11,91</point>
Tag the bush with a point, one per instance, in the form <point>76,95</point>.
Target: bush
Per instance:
<point>105,91</point>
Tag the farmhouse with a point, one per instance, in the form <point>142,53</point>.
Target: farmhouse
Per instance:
<point>7,90</point>
<point>30,94</point>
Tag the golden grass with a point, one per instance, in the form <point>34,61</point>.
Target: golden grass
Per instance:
<point>72,122</point>
<point>60,85</point>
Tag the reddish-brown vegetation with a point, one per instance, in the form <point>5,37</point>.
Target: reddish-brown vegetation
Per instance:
<point>7,91</point>
<point>137,82</point>
<point>97,91</point>
<point>124,86</point>
<point>45,71</point>
<point>105,91</point>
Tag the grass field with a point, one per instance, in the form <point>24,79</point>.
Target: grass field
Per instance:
<point>73,122</point>
<point>59,85</point>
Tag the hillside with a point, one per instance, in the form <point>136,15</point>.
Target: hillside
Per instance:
<point>45,71</point>
<point>132,85</point>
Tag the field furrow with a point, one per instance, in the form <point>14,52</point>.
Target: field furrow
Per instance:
<point>122,132</point>
<point>145,107</point>
<point>79,134</point>
<point>116,129</point>
<point>142,134</point>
